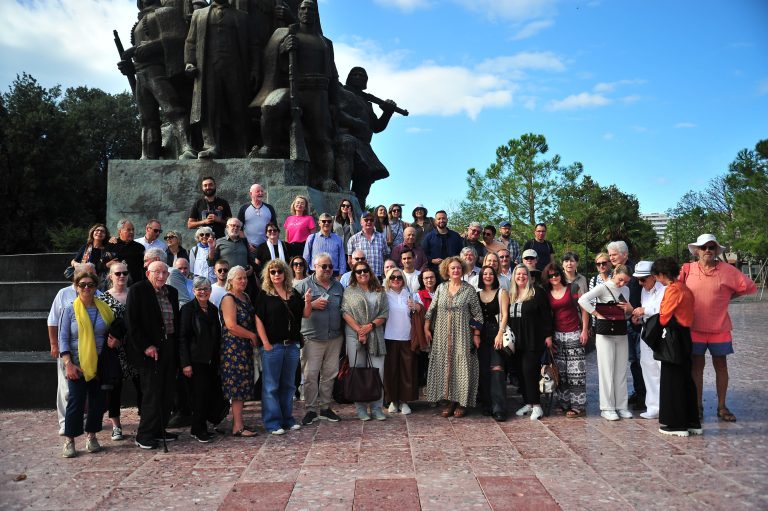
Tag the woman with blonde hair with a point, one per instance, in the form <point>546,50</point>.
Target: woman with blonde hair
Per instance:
<point>530,318</point>
<point>279,311</point>
<point>457,317</point>
<point>237,342</point>
<point>298,225</point>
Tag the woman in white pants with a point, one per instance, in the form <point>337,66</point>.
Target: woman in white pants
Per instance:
<point>611,308</point>
<point>650,301</point>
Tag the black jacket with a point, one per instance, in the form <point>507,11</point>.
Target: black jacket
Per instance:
<point>199,335</point>
<point>145,323</point>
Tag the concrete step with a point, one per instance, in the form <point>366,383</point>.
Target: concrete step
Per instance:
<point>24,331</point>
<point>28,267</point>
<point>22,296</point>
<point>28,381</point>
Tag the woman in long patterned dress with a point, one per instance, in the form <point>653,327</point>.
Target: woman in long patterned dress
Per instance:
<point>453,367</point>
<point>237,343</point>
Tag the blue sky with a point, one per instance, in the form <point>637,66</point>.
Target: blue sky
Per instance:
<point>656,97</point>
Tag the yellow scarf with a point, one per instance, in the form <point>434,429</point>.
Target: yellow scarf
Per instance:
<point>86,339</point>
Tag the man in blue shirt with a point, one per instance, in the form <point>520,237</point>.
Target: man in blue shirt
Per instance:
<point>326,241</point>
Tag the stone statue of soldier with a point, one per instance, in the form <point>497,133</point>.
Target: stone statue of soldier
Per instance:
<point>220,54</point>
<point>355,160</point>
<point>156,57</point>
<point>316,82</point>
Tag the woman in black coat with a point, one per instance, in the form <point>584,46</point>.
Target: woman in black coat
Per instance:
<point>199,345</point>
<point>530,317</point>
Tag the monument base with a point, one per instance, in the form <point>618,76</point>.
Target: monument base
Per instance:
<point>167,189</point>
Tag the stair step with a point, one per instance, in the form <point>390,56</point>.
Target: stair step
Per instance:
<point>24,331</point>
<point>34,266</point>
<point>28,380</point>
<point>18,296</point>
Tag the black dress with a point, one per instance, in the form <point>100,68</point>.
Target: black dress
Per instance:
<point>531,322</point>
<point>492,390</point>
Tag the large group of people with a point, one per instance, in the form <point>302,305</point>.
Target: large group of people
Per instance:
<point>271,311</point>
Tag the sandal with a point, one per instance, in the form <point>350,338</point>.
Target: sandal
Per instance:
<point>460,412</point>
<point>245,433</point>
<point>449,410</point>
<point>572,414</point>
<point>724,414</point>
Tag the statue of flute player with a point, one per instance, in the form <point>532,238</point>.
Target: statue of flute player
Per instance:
<point>158,31</point>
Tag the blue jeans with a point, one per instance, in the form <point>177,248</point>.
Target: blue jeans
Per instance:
<point>79,392</point>
<point>278,373</point>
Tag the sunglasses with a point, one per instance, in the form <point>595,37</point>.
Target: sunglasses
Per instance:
<point>346,206</point>
<point>83,285</point>
<point>272,230</point>
<point>362,271</point>
<point>276,272</point>
<point>602,263</point>
<point>487,234</point>
<point>169,237</point>
<point>553,275</point>
<point>325,221</point>
<point>366,220</point>
<point>298,263</point>
<point>395,277</point>
<point>529,258</point>
<point>708,247</point>
<point>205,235</point>
<point>120,274</point>
<point>325,266</point>
<point>222,270</point>
<point>397,210</point>
<point>503,257</point>
<point>157,231</point>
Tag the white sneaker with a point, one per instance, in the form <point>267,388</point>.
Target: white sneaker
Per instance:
<point>278,431</point>
<point>609,415</point>
<point>674,432</point>
<point>296,427</point>
<point>525,410</point>
<point>392,407</point>
<point>537,413</point>
<point>695,431</point>
<point>625,414</point>
<point>61,431</point>
<point>405,409</point>
<point>117,433</point>
<point>649,415</point>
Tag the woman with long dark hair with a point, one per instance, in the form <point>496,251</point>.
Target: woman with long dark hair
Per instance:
<point>494,302</point>
<point>344,222</point>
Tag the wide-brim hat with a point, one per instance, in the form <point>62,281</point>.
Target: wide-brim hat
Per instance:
<point>703,240</point>
<point>642,269</point>
<point>419,206</point>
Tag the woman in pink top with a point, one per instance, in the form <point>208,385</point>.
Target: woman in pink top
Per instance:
<point>713,283</point>
<point>298,226</point>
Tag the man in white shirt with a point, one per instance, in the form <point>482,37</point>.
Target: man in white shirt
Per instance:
<point>411,274</point>
<point>469,256</point>
<point>151,238</point>
<point>650,299</point>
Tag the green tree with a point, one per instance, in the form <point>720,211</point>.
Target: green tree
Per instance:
<point>518,187</point>
<point>748,179</point>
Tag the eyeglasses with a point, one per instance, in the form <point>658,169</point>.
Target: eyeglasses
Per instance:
<point>362,271</point>
<point>529,258</point>
<point>346,206</point>
<point>325,221</point>
<point>272,230</point>
<point>222,270</point>
<point>366,220</point>
<point>203,289</point>
<point>602,263</point>
<point>157,231</point>
<point>169,237</point>
<point>83,285</point>
<point>298,263</point>
<point>277,271</point>
<point>395,277</point>
<point>396,210</point>
<point>120,274</point>
<point>325,266</point>
<point>205,235</point>
<point>503,257</point>
<point>553,275</point>
<point>159,272</point>
<point>708,247</point>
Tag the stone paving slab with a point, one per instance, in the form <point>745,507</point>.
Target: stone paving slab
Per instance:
<point>420,461</point>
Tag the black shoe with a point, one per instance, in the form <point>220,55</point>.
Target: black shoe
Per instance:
<point>329,415</point>
<point>309,418</point>
<point>499,417</point>
<point>169,437</point>
<point>180,421</point>
<point>203,438</point>
<point>146,445</point>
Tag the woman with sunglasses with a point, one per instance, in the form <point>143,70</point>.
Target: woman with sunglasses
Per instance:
<point>272,248</point>
<point>494,302</point>
<point>115,297</point>
<point>612,299</point>
<point>237,342</point>
<point>298,268</point>
<point>344,223</point>
<point>365,309</point>
<point>571,335</point>
<point>457,318</point>
<point>199,347</point>
<point>83,331</point>
<point>396,225</point>
<point>279,312</point>
<point>174,250</point>
<point>401,364</point>
<point>198,255</point>
<point>298,225</point>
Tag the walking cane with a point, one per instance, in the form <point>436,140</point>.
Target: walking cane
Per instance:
<point>162,395</point>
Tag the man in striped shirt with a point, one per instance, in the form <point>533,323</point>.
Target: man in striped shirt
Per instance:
<point>329,242</point>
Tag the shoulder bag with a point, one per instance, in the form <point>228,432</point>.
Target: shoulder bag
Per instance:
<point>363,384</point>
<point>615,322</point>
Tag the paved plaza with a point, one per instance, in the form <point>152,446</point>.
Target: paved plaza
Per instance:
<point>421,461</point>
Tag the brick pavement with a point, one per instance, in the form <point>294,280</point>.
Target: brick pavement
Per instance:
<point>422,461</point>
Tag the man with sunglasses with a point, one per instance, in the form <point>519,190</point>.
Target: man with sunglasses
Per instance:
<point>372,243</point>
<point>325,241</point>
<point>489,240</point>
<point>151,238</point>
<point>322,332</point>
<point>473,239</point>
<point>530,259</point>
<point>218,289</point>
<point>356,257</point>
<point>506,263</point>
<point>210,210</point>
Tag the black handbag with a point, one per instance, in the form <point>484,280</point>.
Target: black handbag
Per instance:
<point>615,322</point>
<point>667,341</point>
<point>363,384</point>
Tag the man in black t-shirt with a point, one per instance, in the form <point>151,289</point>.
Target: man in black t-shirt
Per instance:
<point>124,248</point>
<point>210,211</point>
<point>543,247</point>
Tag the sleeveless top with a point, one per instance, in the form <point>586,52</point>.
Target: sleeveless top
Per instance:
<point>490,309</point>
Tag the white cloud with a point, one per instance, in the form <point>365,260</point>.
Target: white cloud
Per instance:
<point>405,5</point>
<point>515,10</point>
<point>516,64</point>
<point>578,101</point>
<point>611,86</point>
<point>417,131</point>
<point>685,125</point>
<point>532,28</point>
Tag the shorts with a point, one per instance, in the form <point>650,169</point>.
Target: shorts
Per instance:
<point>716,349</point>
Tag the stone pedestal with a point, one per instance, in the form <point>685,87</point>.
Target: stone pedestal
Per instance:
<point>167,189</point>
